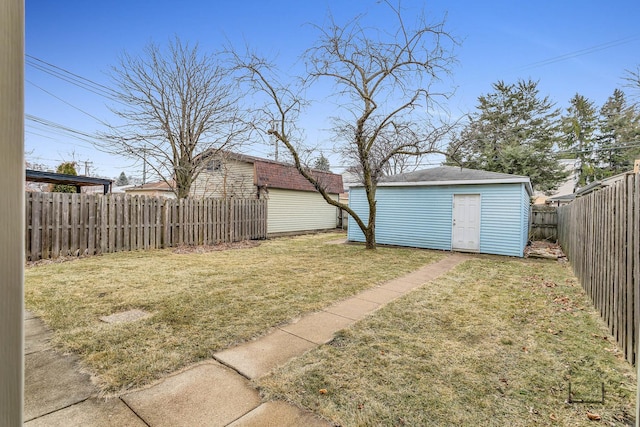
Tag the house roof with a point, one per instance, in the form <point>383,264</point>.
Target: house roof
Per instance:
<point>272,174</point>
<point>151,186</point>
<point>452,175</point>
<point>280,175</point>
<point>562,198</point>
<point>596,185</point>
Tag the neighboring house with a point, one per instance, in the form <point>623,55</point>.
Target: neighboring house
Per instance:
<point>560,200</point>
<point>152,189</point>
<point>566,188</point>
<point>449,208</point>
<point>597,185</point>
<point>293,204</point>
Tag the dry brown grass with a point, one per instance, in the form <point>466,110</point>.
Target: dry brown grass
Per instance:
<point>494,342</point>
<point>200,301</point>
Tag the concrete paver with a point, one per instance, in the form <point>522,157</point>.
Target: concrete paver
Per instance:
<point>256,358</point>
<point>52,382</point>
<point>353,308</point>
<point>91,412</point>
<point>36,336</point>
<point>379,295</point>
<point>318,328</point>
<point>401,285</point>
<point>279,414</point>
<point>207,395</point>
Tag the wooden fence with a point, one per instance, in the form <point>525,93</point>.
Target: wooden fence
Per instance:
<point>60,224</point>
<point>544,222</point>
<point>600,233</point>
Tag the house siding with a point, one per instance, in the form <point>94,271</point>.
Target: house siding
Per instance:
<point>233,179</point>
<point>292,211</point>
<point>422,216</point>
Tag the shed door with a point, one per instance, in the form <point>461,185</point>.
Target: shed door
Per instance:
<point>466,222</point>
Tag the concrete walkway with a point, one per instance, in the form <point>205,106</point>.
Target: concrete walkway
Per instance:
<point>212,393</point>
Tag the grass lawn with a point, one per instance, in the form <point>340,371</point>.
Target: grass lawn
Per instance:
<point>199,302</point>
<point>494,342</point>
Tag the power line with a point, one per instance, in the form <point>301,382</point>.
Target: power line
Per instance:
<point>72,78</point>
<point>625,145</point>
<point>99,164</point>
<point>66,131</point>
<point>580,52</point>
<point>68,103</point>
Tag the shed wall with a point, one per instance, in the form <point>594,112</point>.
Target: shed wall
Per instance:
<point>422,216</point>
<point>291,211</point>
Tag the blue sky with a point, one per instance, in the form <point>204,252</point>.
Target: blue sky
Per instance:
<point>569,48</point>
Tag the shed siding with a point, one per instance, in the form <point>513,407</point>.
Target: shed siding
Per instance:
<point>526,213</point>
<point>422,216</point>
<point>291,211</point>
<point>501,220</point>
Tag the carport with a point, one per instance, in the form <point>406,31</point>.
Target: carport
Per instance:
<point>78,181</point>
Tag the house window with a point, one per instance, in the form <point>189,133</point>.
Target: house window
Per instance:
<point>214,165</point>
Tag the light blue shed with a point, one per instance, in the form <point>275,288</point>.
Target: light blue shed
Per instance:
<point>449,208</point>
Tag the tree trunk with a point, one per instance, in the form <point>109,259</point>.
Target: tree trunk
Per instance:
<point>370,236</point>
<point>370,232</point>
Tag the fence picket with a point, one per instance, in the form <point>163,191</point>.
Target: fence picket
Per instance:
<point>600,233</point>
<point>76,224</point>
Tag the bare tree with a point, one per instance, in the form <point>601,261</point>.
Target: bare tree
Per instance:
<point>384,87</point>
<point>632,81</point>
<point>175,104</point>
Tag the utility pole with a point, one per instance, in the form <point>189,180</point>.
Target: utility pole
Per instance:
<point>87,166</point>
<point>275,140</point>
<point>144,168</point>
<point>144,164</point>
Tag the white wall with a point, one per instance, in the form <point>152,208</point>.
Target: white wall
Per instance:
<point>291,211</point>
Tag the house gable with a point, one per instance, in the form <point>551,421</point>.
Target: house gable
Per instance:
<point>229,177</point>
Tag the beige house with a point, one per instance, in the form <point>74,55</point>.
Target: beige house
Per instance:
<point>294,205</point>
<point>152,189</point>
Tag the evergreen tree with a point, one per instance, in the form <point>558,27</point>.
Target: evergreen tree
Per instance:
<point>67,168</point>
<point>513,131</point>
<point>619,135</point>
<point>322,163</point>
<point>578,128</point>
<point>122,180</point>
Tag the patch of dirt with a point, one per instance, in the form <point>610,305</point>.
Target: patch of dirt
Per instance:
<point>337,242</point>
<point>544,249</point>
<point>58,260</point>
<point>201,249</point>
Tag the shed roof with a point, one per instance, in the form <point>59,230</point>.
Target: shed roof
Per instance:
<point>452,175</point>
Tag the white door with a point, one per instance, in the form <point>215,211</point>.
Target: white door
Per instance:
<point>466,222</point>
